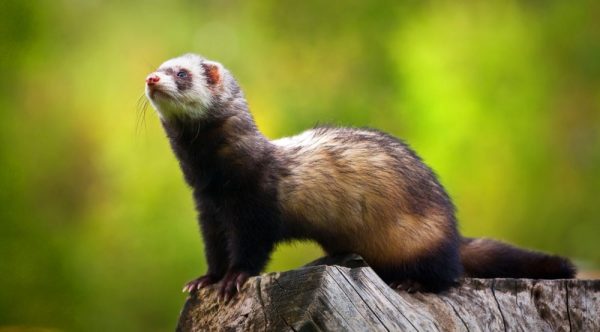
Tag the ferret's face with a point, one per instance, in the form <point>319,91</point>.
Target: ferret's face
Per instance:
<point>185,86</point>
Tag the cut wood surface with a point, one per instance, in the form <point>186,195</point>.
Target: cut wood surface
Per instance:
<point>349,296</point>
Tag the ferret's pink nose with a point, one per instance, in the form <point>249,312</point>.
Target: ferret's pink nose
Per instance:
<point>152,79</point>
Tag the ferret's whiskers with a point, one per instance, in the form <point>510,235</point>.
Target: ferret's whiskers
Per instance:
<point>142,105</point>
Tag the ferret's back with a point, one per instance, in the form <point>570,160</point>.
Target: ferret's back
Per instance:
<point>346,181</point>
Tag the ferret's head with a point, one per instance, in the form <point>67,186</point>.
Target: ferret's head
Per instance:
<point>189,87</point>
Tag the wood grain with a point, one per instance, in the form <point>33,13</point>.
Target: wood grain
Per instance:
<point>351,297</point>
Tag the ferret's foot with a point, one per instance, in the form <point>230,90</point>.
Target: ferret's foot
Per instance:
<point>199,283</point>
<point>409,286</point>
<point>232,283</point>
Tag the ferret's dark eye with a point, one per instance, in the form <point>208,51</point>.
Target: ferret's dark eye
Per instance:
<point>182,74</point>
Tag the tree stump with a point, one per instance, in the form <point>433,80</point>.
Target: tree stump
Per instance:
<point>349,296</point>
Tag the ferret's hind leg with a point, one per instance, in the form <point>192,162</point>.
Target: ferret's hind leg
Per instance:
<point>407,285</point>
<point>435,272</point>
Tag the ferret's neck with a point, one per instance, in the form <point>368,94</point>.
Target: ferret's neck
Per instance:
<point>218,149</point>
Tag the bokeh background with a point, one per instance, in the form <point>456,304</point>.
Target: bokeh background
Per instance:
<point>98,230</point>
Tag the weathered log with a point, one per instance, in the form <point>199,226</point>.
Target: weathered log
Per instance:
<point>351,297</point>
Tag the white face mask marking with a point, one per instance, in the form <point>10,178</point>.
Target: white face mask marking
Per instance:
<point>192,98</point>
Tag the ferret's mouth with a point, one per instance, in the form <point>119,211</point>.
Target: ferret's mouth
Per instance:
<point>156,93</point>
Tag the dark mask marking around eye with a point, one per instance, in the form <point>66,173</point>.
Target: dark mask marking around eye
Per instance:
<point>183,80</point>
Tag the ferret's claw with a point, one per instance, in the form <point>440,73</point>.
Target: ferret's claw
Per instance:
<point>232,284</point>
<point>199,283</point>
<point>241,280</point>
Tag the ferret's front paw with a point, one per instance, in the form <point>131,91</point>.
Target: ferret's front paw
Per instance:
<point>200,282</point>
<point>232,283</point>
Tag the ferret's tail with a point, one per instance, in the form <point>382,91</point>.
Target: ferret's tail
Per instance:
<point>485,258</point>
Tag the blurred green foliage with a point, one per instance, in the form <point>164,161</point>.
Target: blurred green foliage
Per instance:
<point>501,98</point>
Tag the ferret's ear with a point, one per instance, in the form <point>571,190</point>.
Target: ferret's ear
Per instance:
<point>212,71</point>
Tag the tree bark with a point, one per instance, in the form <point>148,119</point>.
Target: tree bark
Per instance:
<point>349,296</point>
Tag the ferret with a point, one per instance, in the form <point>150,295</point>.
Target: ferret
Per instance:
<point>351,190</point>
